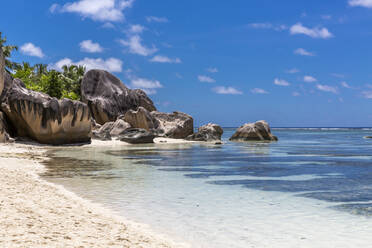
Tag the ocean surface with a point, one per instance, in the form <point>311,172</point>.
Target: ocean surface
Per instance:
<point>313,188</point>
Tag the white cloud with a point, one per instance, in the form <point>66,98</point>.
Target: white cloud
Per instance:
<point>259,91</point>
<point>367,94</point>
<point>206,79</point>
<point>310,79</point>
<point>303,52</point>
<point>212,70</point>
<point>327,88</point>
<point>135,46</point>
<point>156,19</point>
<point>268,25</point>
<point>293,71</point>
<point>147,85</point>
<point>227,90</point>
<point>281,82</point>
<point>136,29</point>
<point>32,50</point>
<point>295,93</point>
<point>361,3</point>
<point>108,25</point>
<point>316,32</point>
<point>326,17</point>
<point>165,59</point>
<point>90,47</point>
<point>97,10</point>
<point>345,85</point>
<point>111,64</point>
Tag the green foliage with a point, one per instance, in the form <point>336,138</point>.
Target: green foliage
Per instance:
<point>57,84</point>
<point>7,50</point>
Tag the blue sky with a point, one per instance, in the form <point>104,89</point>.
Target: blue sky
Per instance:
<point>292,63</point>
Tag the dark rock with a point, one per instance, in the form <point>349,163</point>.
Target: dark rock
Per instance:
<point>43,118</point>
<point>108,98</point>
<point>2,70</point>
<point>209,132</point>
<point>367,137</point>
<point>4,129</point>
<point>174,125</point>
<point>137,136</point>
<point>259,131</point>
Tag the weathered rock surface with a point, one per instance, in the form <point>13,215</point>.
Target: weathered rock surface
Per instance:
<point>210,132</point>
<point>111,129</point>
<point>259,131</point>
<point>4,129</point>
<point>174,125</point>
<point>2,70</point>
<point>141,118</point>
<point>137,136</point>
<point>108,98</point>
<point>43,118</point>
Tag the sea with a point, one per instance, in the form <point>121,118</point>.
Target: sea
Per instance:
<point>312,188</point>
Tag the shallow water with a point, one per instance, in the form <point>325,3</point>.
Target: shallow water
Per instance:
<point>313,188</point>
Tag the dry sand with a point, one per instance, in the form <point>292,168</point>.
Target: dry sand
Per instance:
<point>35,213</point>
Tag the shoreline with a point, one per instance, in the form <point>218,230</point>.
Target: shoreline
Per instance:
<point>35,212</point>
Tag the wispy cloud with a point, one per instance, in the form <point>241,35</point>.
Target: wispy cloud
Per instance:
<point>97,10</point>
<point>310,79</point>
<point>295,93</point>
<point>90,47</point>
<point>165,59</point>
<point>206,79</point>
<point>361,3</point>
<point>212,70</point>
<point>367,94</point>
<point>303,52</point>
<point>134,44</point>
<point>259,91</point>
<point>321,33</point>
<point>156,19</point>
<point>327,88</point>
<point>281,82</point>
<point>268,25</point>
<point>147,85</point>
<point>32,50</point>
<point>345,85</point>
<point>292,71</point>
<point>227,90</point>
<point>111,64</point>
<point>136,29</point>
<point>337,75</point>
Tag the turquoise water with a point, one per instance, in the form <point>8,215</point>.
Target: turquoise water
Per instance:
<point>313,188</point>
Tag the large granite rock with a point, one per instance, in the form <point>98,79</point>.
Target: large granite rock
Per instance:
<point>43,118</point>
<point>259,131</point>
<point>174,125</point>
<point>111,129</point>
<point>2,70</point>
<point>210,132</point>
<point>137,136</point>
<point>108,98</point>
<point>4,129</point>
<point>141,118</point>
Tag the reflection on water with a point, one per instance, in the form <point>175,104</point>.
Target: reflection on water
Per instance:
<point>188,182</point>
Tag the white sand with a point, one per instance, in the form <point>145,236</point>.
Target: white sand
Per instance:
<point>35,213</point>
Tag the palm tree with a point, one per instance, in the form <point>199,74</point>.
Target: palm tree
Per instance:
<point>7,51</point>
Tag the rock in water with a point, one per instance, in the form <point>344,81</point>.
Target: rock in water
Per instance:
<point>137,136</point>
<point>259,131</point>
<point>2,70</point>
<point>108,98</point>
<point>174,125</point>
<point>43,118</point>
<point>209,132</point>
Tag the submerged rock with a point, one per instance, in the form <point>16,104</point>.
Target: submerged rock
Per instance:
<point>176,125</point>
<point>259,131</point>
<point>42,118</point>
<point>108,98</point>
<point>137,136</point>
<point>209,132</point>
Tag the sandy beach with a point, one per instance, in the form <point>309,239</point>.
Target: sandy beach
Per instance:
<point>36,213</point>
